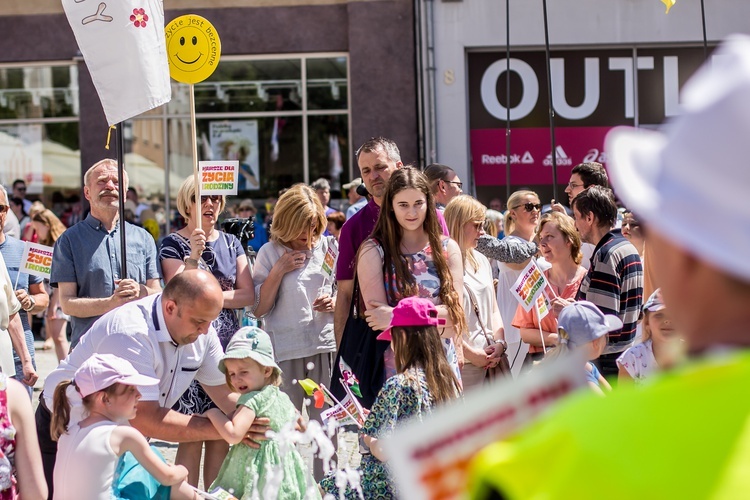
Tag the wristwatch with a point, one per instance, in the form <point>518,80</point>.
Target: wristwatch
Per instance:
<point>502,343</point>
<point>33,303</point>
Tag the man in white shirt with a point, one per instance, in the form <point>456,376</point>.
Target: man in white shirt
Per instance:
<point>163,336</point>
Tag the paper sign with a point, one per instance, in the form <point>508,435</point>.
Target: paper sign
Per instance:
<point>193,48</point>
<point>430,458</point>
<point>529,285</point>
<point>339,412</point>
<point>218,177</point>
<point>329,261</point>
<point>542,306</point>
<point>36,260</point>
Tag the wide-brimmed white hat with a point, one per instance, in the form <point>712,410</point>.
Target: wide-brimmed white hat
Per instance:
<point>691,181</point>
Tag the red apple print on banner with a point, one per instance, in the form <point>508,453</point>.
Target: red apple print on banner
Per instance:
<point>139,18</point>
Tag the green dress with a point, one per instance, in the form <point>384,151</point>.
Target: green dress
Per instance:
<point>245,468</point>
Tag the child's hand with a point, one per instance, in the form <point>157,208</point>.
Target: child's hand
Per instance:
<point>257,432</point>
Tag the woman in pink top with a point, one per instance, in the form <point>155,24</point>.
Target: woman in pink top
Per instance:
<point>560,246</point>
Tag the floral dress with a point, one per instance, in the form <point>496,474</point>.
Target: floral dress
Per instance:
<point>403,396</point>
<point>425,274</point>
<point>7,445</point>
<point>220,259</point>
<point>247,472</point>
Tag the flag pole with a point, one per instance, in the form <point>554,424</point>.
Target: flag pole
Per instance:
<point>123,190</point>
<point>705,39</point>
<point>507,100</point>
<point>551,107</point>
<point>194,140</point>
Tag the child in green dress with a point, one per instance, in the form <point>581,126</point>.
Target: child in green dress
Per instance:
<point>247,472</point>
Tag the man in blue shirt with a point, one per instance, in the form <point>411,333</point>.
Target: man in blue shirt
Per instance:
<point>86,261</point>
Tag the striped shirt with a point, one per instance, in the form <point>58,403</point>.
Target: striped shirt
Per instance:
<point>615,284</point>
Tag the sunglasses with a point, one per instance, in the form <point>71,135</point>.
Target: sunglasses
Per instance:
<point>244,209</point>
<point>530,207</point>
<point>215,198</point>
<point>3,209</point>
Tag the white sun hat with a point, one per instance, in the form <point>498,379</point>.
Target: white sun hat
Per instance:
<point>691,183</point>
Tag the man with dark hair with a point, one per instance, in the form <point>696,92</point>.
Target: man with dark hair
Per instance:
<point>615,279</point>
<point>19,191</point>
<point>582,177</point>
<point>377,158</point>
<point>444,183</point>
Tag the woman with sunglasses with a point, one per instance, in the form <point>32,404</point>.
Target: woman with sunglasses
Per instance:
<point>521,219</point>
<point>222,255</point>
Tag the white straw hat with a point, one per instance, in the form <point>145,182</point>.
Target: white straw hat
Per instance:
<point>691,182</point>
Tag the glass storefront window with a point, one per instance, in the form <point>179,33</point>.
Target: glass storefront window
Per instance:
<point>327,83</point>
<point>38,92</point>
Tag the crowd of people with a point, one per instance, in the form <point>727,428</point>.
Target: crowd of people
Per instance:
<point>417,312</point>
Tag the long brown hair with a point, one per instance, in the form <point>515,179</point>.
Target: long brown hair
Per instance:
<point>55,226</point>
<point>388,233</point>
<point>421,347</point>
<point>61,405</point>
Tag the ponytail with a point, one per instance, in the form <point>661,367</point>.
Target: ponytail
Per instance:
<point>60,410</point>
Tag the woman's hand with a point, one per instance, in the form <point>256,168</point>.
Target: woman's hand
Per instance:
<point>324,303</point>
<point>378,315</point>
<point>290,261</point>
<point>476,357</point>
<point>197,243</point>
<point>494,352</point>
<point>558,303</point>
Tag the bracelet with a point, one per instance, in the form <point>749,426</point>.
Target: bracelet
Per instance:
<point>191,261</point>
<point>502,343</point>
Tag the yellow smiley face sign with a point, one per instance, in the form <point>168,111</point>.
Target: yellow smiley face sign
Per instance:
<point>193,48</point>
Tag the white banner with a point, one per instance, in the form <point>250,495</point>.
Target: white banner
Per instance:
<point>124,47</point>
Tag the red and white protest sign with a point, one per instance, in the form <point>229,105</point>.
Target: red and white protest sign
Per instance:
<point>429,458</point>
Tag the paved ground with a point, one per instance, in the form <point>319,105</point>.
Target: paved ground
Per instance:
<point>46,361</point>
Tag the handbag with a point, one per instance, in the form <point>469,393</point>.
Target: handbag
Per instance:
<point>503,366</point>
<point>361,350</point>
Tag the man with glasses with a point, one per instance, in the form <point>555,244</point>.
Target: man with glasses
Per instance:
<point>86,263</point>
<point>444,182</point>
<point>615,280</point>
<point>19,191</point>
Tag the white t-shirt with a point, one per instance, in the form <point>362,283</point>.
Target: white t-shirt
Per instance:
<point>85,464</point>
<point>639,361</point>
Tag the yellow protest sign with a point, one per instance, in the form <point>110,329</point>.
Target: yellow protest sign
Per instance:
<point>193,48</point>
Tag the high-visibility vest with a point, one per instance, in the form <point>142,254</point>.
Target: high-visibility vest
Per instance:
<point>685,435</point>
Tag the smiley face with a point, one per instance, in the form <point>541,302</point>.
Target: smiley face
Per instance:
<point>193,48</point>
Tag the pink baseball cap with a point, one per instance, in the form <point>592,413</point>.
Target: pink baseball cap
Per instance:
<point>102,370</point>
<point>413,311</point>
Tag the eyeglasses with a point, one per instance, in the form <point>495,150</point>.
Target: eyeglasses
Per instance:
<point>215,198</point>
<point>573,185</point>
<point>21,188</point>
<point>459,184</point>
<point>530,207</point>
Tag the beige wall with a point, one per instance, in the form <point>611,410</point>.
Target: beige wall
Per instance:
<point>33,7</point>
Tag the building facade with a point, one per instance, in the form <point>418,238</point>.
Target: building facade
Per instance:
<point>300,84</point>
